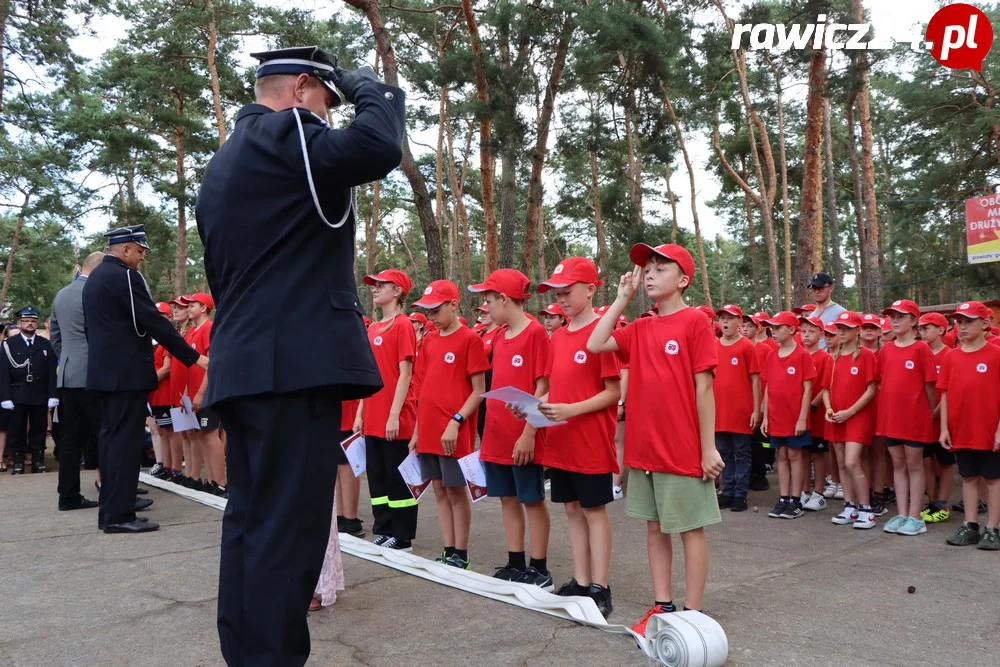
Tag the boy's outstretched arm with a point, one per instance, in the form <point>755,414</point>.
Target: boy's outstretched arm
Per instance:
<point>600,339</point>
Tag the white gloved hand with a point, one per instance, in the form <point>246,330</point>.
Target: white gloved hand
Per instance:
<point>7,405</point>
<point>53,403</point>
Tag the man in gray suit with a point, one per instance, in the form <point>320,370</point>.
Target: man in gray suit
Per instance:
<point>79,409</point>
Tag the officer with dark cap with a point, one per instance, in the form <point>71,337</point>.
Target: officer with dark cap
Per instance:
<point>28,389</point>
<point>121,324</point>
<point>821,287</point>
<point>276,215</point>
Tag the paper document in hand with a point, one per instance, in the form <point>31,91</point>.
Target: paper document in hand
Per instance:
<point>183,420</point>
<point>354,450</point>
<point>186,403</point>
<point>414,479</point>
<point>475,476</point>
<point>524,402</point>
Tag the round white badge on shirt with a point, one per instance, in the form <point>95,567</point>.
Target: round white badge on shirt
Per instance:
<point>981,368</point>
<point>580,357</point>
<point>672,347</point>
<point>377,340</point>
<point>854,370</point>
<point>791,370</point>
<point>909,364</point>
<point>517,361</point>
<point>449,358</point>
<point>734,361</point>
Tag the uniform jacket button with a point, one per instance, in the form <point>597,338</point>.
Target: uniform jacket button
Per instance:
<point>389,96</point>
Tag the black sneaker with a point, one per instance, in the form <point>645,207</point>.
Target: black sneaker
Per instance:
<point>879,508</point>
<point>739,504</point>
<point>779,507</point>
<point>959,507</point>
<point>18,468</point>
<point>792,510</point>
<point>535,578</point>
<point>340,523</point>
<point>759,483</point>
<point>380,540</point>
<point>983,507</point>
<point>602,597</point>
<point>508,573</point>
<point>37,466</point>
<point>725,501</point>
<point>398,545</point>
<point>352,527</point>
<point>571,588</point>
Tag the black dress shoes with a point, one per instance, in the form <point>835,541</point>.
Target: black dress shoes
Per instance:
<point>142,504</point>
<point>137,526</point>
<point>83,504</point>
<point>100,526</point>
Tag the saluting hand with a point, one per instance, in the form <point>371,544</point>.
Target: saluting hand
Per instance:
<point>349,82</point>
<point>629,283</point>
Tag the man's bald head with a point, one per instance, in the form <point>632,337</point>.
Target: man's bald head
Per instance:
<point>91,262</point>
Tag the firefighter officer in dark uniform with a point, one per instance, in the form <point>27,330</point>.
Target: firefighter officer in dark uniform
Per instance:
<point>121,324</point>
<point>276,214</point>
<point>28,389</point>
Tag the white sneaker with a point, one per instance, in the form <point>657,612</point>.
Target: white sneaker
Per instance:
<point>803,498</point>
<point>839,495</point>
<point>828,480</point>
<point>616,492</point>
<point>849,515</point>
<point>865,520</point>
<point>830,491</point>
<point>814,503</point>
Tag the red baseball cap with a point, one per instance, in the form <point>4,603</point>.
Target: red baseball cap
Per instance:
<point>758,318</point>
<point>570,271</point>
<point>438,292</point>
<point>648,313</point>
<point>785,317</point>
<point>600,310</point>
<point>622,320</point>
<point>815,321</point>
<point>202,298</point>
<point>179,301</point>
<point>640,253</point>
<point>483,308</point>
<point>709,313</point>
<point>464,322</point>
<point>804,308</point>
<point>886,325</point>
<point>732,309</point>
<point>870,320</point>
<point>164,308</point>
<point>510,282</point>
<point>185,299</point>
<point>418,317</point>
<point>973,310</point>
<point>552,309</point>
<point>904,306</point>
<point>830,328</point>
<point>394,276</point>
<point>933,319</point>
<point>849,319</point>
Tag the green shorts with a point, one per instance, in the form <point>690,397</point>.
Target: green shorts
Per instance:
<point>678,502</point>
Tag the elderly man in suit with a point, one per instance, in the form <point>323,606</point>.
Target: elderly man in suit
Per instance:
<point>79,409</point>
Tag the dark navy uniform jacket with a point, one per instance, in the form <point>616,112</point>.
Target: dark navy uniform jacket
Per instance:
<point>287,314</point>
<point>121,324</point>
<point>14,385</point>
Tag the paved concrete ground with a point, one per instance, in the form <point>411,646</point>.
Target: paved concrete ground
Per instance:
<point>786,592</point>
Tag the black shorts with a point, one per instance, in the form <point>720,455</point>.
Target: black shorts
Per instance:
<point>935,451</point>
<point>341,456</point>
<point>819,446</point>
<point>896,442</point>
<point>587,489</point>
<point>978,463</point>
<point>161,415</point>
<point>208,419</point>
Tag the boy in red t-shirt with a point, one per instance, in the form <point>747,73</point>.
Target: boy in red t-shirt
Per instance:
<point>584,390</point>
<point>789,374</point>
<point>811,330</point>
<point>553,317</point>
<point>511,450</point>
<point>159,407</point>
<point>671,451</point>
<point>970,422</point>
<point>451,367</point>
<point>737,407</point>
<point>939,463</point>
<point>387,417</point>
<point>209,435</point>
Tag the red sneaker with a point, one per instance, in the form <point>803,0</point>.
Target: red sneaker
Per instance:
<point>640,627</point>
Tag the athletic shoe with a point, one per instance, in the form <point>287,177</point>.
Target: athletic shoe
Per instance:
<point>912,527</point>
<point>830,491</point>
<point>889,496</point>
<point>739,504</point>
<point>616,492</point>
<point>815,503</point>
<point>778,508</point>
<point>894,524</point>
<point>803,497</point>
<point>768,468</point>
<point>959,507</point>
<point>725,501</point>
<point>380,540</point>
<point>983,507</point>
<point>156,470</point>
<point>457,561</point>
<point>865,520</point>
<point>443,558</point>
<point>964,536</point>
<point>849,515</point>
<point>535,578</point>
<point>990,540</point>
<point>931,515</point>
<point>398,545</point>
<point>164,474</point>
<point>839,495</point>
<point>602,597</point>
<point>792,511</point>
<point>640,627</point>
<point>879,508</point>
<point>508,573</point>
<point>571,588</point>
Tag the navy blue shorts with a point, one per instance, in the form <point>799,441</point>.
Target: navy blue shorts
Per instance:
<point>793,441</point>
<point>523,482</point>
<point>896,442</point>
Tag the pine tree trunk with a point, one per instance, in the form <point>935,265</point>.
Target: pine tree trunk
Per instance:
<point>810,237</point>
<point>889,251</point>
<point>458,213</point>
<point>180,263</point>
<point>9,269</point>
<point>673,202</point>
<point>831,207</point>
<point>508,200</point>
<point>754,262</point>
<point>213,72</point>
<point>439,182</point>
<point>595,203</point>
<point>861,266</point>
<point>4,13</point>
<point>785,214</point>
<point>634,165</point>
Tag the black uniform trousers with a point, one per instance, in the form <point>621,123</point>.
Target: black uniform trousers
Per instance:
<point>25,438</point>
<point>123,417</point>
<point>281,463</point>
<point>393,508</point>
<point>80,426</point>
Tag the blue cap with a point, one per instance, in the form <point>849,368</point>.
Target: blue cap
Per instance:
<point>26,313</point>
<point>310,60</point>
<point>131,234</point>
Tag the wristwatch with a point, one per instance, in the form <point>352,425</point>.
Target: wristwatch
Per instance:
<point>621,403</point>
<point>458,417</point>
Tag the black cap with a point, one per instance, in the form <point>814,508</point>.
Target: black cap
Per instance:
<point>310,60</point>
<point>131,234</point>
<point>820,280</point>
<point>28,312</point>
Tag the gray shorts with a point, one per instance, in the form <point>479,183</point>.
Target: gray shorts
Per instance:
<point>442,468</point>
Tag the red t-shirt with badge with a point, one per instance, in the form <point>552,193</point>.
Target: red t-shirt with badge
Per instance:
<point>586,443</point>
<point>665,352</point>
<point>733,387</point>
<point>348,413</point>
<point>972,382</point>
<point>762,349</point>
<point>903,374</point>
<point>199,340</point>
<point>938,360</point>
<point>786,377</point>
<point>161,395</point>
<point>447,364</point>
<point>847,379</point>
<point>817,418</point>
<point>392,342</point>
<point>179,375</point>
<point>517,362</point>
<point>488,338</point>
